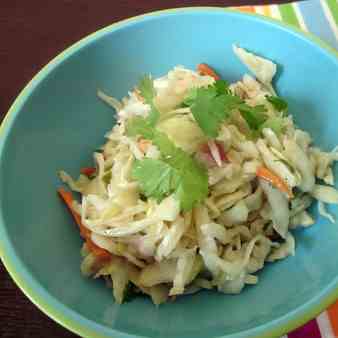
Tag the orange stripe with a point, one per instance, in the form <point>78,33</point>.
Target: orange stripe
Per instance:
<point>250,9</point>
<point>333,315</point>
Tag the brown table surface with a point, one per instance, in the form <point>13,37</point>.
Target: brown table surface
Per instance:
<point>33,32</point>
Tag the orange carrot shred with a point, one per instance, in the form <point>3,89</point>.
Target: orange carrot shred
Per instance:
<point>68,199</point>
<point>204,69</point>
<point>100,253</point>
<point>275,180</point>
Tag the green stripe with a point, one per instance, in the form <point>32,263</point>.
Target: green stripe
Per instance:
<point>333,5</point>
<point>288,14</point>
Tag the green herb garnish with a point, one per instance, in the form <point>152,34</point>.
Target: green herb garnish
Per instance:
<point>175,172</point>
<point>278,103</point>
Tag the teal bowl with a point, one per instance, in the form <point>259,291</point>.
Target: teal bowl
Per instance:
<point>57,122</point>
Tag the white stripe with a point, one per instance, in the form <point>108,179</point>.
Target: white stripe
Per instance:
<point>275,12</point>
<point>325,326</point>
<point>259,10</point>
<point>299,17</point>
<point>285,336</point>
<point>329,17</point>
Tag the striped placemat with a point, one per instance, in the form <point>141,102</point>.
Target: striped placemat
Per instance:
<point>319,17</point>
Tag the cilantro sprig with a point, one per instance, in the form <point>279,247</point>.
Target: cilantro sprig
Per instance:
<point>163,180</point>
<point>254,116</point>
<point>211,105</point>
<point>278,103</point>
<point>175,172</point>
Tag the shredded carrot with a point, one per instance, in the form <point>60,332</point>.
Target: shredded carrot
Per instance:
<point>68,199</point>
<point>88,171</point>
<point>204,69</point>
<point>143,145</point>
<point>100,253</point>
<point>275,180</point>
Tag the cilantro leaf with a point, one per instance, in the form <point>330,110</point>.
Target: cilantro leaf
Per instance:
<point>193,183</point>
<point>210,109</point>
<point>140,126</point>
<point>157,179</point>
<point>192,187</point>
<point>204,113</point>
<point>190,97</point>
<point>222,87</point>
<point>278,103</point>
<point>211,105</point>
<point>231,101</point>
<point>253,115</point>
<point>154,114</point>
<point>176,172</point>
<point>147,90</point>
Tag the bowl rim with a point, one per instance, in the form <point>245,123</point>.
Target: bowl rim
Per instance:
<point>69,318</point>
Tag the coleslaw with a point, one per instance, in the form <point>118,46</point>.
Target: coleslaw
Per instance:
<point>199,184</point>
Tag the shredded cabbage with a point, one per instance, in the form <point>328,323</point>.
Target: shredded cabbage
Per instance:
<point>272,162</point>
<point>111,101</point>
<point>183,131</point>
<point>301,219</point>
<point>158,272</point>
<point>168,209</point>
<point>322,211</point>
<point>271,138</point>
<point>283,250</point>
<point>184,267</point>
<point>300,160</point>
<point>325,194</point>
<point>143,242</point>
<point>279,208</point>
<point>263,69</point>
<point>236,214</point>
<point>171,238</point>
<point>80,185</point>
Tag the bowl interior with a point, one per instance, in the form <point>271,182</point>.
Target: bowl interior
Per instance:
<point>62,122</point>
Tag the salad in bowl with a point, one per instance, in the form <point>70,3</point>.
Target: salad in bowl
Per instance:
<point>199,185</point>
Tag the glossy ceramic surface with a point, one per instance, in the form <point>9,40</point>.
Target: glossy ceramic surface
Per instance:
<point>57,122</point>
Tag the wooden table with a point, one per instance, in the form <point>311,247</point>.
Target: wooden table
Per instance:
<point>32,33</point>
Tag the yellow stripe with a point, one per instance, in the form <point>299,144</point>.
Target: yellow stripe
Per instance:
<point>267,10</point>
